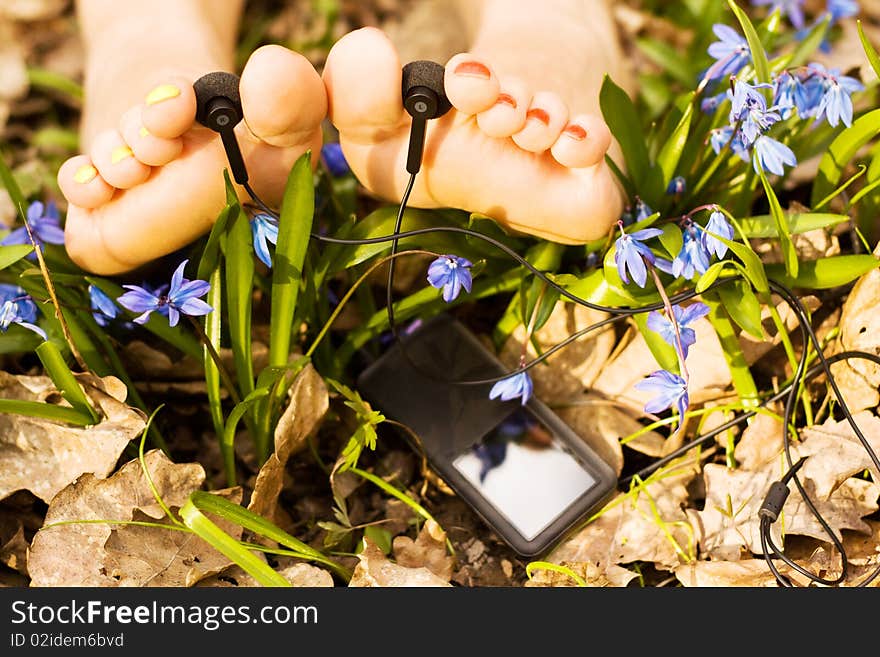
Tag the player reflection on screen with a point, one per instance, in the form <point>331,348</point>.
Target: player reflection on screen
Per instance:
<point>524,474</point>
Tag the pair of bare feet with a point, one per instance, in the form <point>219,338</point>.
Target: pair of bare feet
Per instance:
<point>152,183</point>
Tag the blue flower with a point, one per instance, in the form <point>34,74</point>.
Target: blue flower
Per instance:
<point>836,103</point>
<point>750,108</point>
<point>840,9</point>
<point>693,256</point>
<point>771,155</point>
<point>45,226</point>
<point>677,185</point>
<point>335,160</point>
<point>661,324</point>
<point>265,231</point>
<point>710,104</point>
<point>717,225</point>
<point>182,296</point>
<point>103,308</point>
<point>808,94</point>
<point>518,385</point>
<point>785,86</point>
<point>17,307</point>
<point>670,388</point>
<point>630,254</point>
<point>731,53</point>
<point>792,8</point>
<point>450,273</point>
<point>720,137</point>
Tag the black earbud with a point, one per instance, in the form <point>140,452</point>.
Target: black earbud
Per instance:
<point>424,97</point>
<point>218,107</point>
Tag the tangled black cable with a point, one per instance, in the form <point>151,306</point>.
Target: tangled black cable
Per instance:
<point>778,492</point>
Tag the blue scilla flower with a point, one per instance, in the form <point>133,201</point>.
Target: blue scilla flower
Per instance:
<point>671,390</point>
<point>693,256</point>
<point>749,108</point>
<point>683,316</point>
<point>513,387</point>
<point>785,87</point>
<point>794,9</point>
<point>720,137</point>
<point>630,255</point>
<point>334,159</point>
<point>710,104</point>
<point>731,53</point>
<point>717,225</point>
<point>450,273</point>
<point>17,307</point>
<point>264,229</point>
<point>45,226</point>
<point>836,103</point>
<point>180,297</point>
<point>103,308</point>
<point>840,9</point>
<point>771,156</point>
<point>677,186</point>
<point>809,92</point>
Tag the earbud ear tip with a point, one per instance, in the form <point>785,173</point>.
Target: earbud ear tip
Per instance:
<point>424,73</point>
<point>218,84</point>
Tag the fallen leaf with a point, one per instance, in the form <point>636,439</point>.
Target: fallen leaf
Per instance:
<point>43,456</point>
<point>642,525</point>
<point>298,574</point>
<point>375,570</point>
<point>754,350</point>
<point>74,555</point>
<point>428,550</point>
<point>308,404</point>
<point>760,443</point>
<point>13,545</point>
<point>838,452</point>
<point>746,573</point>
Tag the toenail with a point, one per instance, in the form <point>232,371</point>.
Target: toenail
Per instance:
<point>86,173</point>
<point>539,115</point>
<point>506,99</point>
<point>576,132</point>
<point>473,70</point>
<point>162,92</point>
<point>144,132</point>
<point>120,153</point>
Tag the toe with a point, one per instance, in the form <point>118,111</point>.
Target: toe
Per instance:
<point>116,162</point>
<point>507,115</point>
<point>546,117</point>
<point>283,97</point>
<point>170,108</point>
<point>81,183</point>
<point>147,147</point>
<point>471,86</point>
<point>363,78</point>
<point>583,142</point>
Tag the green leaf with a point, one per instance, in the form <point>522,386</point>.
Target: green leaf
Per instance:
<point>12,187</point>
<point>664,353</point>
<point>754,268</point>
<point>228,546</point>
<point>841,152</point>
<point>239,282</point>
<point>594,288</point>
<point>672,240</point>
<point>213,332</point>
<point>211,254</point>
<point>46,411</point>
<point>826,273</point>
<point>743,381</point>
<point>670,154</point>
<point>63,378</point>
<point>767,226</point>
<point>743,307</point>
<point>380,536</point>
<point>668,58</point>
<point>759,56</point>
<point>789,253</point>
<point>869,50</point>
<point>11,254</point>
<point>623,119</point>
<point>706,280</point>
<point>294,230</point>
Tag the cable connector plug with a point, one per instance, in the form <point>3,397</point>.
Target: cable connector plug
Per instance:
<point>774,501</point>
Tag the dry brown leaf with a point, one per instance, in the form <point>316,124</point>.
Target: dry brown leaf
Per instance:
<point>753,348</point>
<point>73,555</point>
<point>375,570</point>
<point>13,545</point>
<point>747,573</point>
<point>859,330</point>
<point>149,556</point>
<point>647,526</point>
<point>298,574</point>
<point>308,404</point>
<point>44,456</point>
<point>838,452</point>
<point>428,550</point>
<point>760,443</point>
<point>591,574</point>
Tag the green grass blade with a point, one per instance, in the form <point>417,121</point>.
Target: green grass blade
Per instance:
<point>12,187</point>
<point>841,152</point>
<point>766,225</point>
<point>63,378</point>
<point>743,381</point>
<point>229,547</point>
<point>789,253</point>
<point>759,56</point>
<point>211,254</point>
<point>294,229</point>
<point>873,58</point>
<point>11,254</point>
<point>239,283</point>
<point>227,433</point>
<point>46,411</point>
<point>213,331</point>
<point>826,273</point>
<point>670,154</point>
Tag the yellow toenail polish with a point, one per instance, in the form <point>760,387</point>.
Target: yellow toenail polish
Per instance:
<point>144,132</point>
<point>85,173</point>
<point>162,92</point>
<point>120,153</point>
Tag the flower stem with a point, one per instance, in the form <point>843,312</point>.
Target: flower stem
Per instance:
<point>671,315</point>
<point>224,373</point>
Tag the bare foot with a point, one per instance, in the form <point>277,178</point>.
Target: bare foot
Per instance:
<point>153,183</point>
<point>506,150</point>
